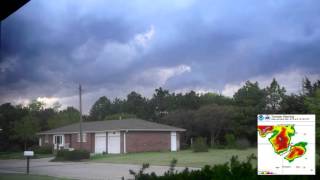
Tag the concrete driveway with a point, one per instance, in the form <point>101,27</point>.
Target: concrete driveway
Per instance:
<point>77,170</point>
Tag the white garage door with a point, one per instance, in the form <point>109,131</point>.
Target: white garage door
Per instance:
<point>100,142</point>
<point>173,141</point>
<point>114,142</point>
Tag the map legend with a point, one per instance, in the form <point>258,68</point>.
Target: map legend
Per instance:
<point>286,144</point>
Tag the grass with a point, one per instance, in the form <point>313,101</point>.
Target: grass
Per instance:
<point>27,177</point>
<point>19,155</point>
<point>186,158</point>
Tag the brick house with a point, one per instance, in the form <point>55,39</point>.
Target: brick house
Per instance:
<point>114,136</point>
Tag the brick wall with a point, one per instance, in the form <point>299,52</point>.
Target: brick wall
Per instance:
<point>88,145</point>
<point>147,141</point>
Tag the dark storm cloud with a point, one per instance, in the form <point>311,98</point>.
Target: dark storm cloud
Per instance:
<point>113,47</point>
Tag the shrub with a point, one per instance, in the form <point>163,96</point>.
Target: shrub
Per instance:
<point>230,140</point>
<point>43,150</point>
<point>200,145</point>
<point>235,169</point>
<point>75,155</point>
<point>242,143</point>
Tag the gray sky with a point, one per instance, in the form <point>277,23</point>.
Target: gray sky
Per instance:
<point>114,47</point>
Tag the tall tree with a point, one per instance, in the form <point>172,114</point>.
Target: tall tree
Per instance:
<point>313,105</point>
<point>136,104</point>
<point>213,121</point>
<point>213,98</point>
<point>274,97</point>
<point>161,101</point>
<point>250,100</point>
<point>191,101</point>
<point>118,106</point>
<point>26,129</point>
<point>293,104</point>
<point>250,95</point>
<point>10,114</point>
<point>307,87</point>
<point>36,105</point>
<point>100,109</point>
<point>67,116</point>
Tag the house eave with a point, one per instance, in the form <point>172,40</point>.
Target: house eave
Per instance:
<point>75,132</point>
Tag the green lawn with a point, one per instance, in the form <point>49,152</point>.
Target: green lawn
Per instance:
<point>19,155</point>
<point>27,177</point>
<point>184,157</point>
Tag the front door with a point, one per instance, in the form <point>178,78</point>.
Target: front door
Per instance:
<point>58,141</point>
<point>114,142</point>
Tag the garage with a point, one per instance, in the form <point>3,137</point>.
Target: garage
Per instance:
<point>114,143</point>
<point>100,143</point>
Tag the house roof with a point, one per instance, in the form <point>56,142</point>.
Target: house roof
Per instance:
<point>113,125</point>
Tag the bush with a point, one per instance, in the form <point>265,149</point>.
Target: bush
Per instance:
<point>75,155</point>
<point>235,169</point>
<point>43,150</point>
<point>231,140</point>
<point>242,143</point>
<point>200,145</point>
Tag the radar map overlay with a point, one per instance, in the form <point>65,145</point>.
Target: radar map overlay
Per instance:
<point>286,144</point>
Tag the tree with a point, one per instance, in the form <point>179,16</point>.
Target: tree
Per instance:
<point>307,87</point>
<point>100,109</point>
<point>120,116</point>
<point>274,97</point>
<point>213,98</point>
<point>161,102</point>
<point>118,106</point>
<point>67,116</point>
<point>191,100</point>
<point>36,105</point>
<point>136,104</point>
<point>213,121</point>
<point>26,129</point>
<point>250,101</point>
<point>250,95</point>
<point>10,114</point>
<point>293,104</point>
<point>313,105</point>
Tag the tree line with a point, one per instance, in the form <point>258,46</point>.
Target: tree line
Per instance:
<point>208,115</point>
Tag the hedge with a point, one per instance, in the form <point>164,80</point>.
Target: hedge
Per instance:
<point>43,150</point>
<point>234,170</point>
<point>75,155</point>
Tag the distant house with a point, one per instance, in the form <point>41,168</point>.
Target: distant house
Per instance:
<point>114,136</point>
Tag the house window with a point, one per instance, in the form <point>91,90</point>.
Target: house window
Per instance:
<point>46,139</point>
<point>84,137</point>
<point>57,139</point>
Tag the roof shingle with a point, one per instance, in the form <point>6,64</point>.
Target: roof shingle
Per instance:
<point>113,125</point>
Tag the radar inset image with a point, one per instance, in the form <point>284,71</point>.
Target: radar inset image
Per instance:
<point>286,144</point>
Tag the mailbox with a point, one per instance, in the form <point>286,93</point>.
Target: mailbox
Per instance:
<point>28,153</point>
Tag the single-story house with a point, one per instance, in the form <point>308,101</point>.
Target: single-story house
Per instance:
<point>114,136</point>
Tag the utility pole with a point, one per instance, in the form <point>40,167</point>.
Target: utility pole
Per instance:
<point>80,108</point>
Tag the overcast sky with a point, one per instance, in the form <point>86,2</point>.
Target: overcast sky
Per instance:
<point>114,47</point>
